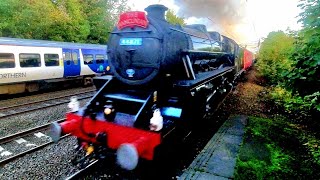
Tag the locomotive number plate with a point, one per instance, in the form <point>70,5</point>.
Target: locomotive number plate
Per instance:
<point>131,41</point>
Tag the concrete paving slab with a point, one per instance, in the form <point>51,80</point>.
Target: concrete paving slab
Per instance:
<point>201,176</point>
<point>218,157</point>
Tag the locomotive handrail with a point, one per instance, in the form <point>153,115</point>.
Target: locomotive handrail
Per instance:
<point>188,67</point>
<point>195,54</point>
<point>204,52</point>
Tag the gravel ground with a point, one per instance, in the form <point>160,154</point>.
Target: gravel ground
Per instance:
<point>14,124</point>
<point>52,162</point>
<point>31,142</point>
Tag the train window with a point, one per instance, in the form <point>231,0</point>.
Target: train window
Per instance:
<point>51,59</point>
<point>67,56</point>
<point>75,58</point>
<point>88,58</point>
<point>201,44</point>
<point>29,60</point>
<point>7,60</point>
<point>100,58</point>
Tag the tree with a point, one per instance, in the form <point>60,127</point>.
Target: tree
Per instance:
<point>174,19</point>
<point>274,56</point>
<point>299,91</point>
<point>62,20</point>
<point>305,76</point>
<point>102,16</point>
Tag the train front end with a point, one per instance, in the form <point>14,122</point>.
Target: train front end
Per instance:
<point>122,118</point>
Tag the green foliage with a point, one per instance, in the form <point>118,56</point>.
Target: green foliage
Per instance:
<point>296,68</point>
<point>313,146</point>
<point>172,18</point>
<point>295,103</point>
<point>275,149</point>
<point>274,56</point>
<point>62,20</point>
<point>305,76</point>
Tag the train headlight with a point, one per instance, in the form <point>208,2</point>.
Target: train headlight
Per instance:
<point>108,68</point>
<point>107,111</point>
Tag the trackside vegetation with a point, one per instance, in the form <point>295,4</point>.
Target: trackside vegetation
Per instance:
<point>276,149</point>
<point>85,21</point>
<point>82,21</point>
<point>285,142</point>
<point>290,62</point>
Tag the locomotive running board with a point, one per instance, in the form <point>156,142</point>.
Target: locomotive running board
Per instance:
<point>203,78</point>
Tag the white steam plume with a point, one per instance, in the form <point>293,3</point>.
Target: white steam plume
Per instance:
<point>226,14</point>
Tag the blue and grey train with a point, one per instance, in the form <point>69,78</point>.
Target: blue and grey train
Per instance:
<point>26,64</point>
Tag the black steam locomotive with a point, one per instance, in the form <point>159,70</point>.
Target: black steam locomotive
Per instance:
<point>164,77</point>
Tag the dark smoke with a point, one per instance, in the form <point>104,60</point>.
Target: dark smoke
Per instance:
<point>226,14</point>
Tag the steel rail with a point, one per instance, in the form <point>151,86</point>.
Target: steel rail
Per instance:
<point>50,99</point>
<point>25,133</point>
<point>83,171</point>
<point>39,94</point>
<point>9,159</point>
<point>3,115</point>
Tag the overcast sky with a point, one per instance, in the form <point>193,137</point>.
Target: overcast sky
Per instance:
<point>244,20</point>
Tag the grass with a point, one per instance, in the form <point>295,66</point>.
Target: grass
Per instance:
<point>276,149</point>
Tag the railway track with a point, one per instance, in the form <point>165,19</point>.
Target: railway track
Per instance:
<point>35,105</point>
<point>22,143</point>
<point>84,171</point>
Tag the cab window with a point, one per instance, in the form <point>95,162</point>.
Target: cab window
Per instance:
<point>7,60</point>
<point>29,60</point>
<point>100,58</point>
<point>88,58</point>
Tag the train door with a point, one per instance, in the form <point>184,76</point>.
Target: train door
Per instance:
<point>71,62</point>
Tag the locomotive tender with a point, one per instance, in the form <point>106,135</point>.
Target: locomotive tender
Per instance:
<point>165,78</point>
<point>25,64</point>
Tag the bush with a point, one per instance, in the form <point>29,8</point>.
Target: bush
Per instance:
<point>304,77</point>
<point>274,55</point>
<point>293,103</point>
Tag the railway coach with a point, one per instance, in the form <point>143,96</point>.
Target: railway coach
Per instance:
<point>27,64</point>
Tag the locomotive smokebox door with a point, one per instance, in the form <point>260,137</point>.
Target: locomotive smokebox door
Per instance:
<point>142,44</point>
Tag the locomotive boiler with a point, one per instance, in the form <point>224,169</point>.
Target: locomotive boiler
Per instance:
<point>165,78</point>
